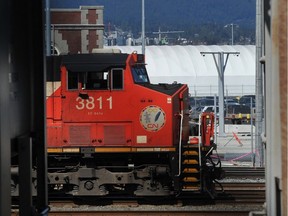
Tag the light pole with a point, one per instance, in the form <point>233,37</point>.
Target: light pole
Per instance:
<point>232,31</point>
<point>48,27</point>
<point>143,27</point>
<point>221,66</point>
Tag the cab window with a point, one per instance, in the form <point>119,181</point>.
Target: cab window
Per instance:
<point>140,75</point>
<point>96,80</point>
<point>117,79</point>
<point>73,80</point>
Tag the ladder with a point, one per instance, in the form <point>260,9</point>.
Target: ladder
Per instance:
<point>190,168</point>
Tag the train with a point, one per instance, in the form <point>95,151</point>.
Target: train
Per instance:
<point>110,131</point>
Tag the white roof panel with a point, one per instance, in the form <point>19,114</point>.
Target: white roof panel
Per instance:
<point>185,64</point>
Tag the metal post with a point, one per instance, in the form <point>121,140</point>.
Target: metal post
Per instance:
<point>48,28</point>
<point>215,119</point>
<point>232,31</point>
<point>221,93</point>
<point>232,42</point>
<point>38,69</point>
<point>259,83</point>
<point>143,27</point>
<point>251,123</point>
<point>25,175</point>
<point>221,65</point>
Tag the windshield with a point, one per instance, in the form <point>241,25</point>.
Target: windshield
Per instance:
<point>140,75</point>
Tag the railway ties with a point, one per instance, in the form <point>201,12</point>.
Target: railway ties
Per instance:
<point>239,198</point>
<point>242,185</point>
<point>251,172</point>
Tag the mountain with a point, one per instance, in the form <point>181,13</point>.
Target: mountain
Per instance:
<point>169,15</point>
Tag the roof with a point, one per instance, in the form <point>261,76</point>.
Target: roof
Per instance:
<point>185,64</point>
<point>94,61</point>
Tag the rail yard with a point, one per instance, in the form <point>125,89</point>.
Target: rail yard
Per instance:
<point>85,131</point>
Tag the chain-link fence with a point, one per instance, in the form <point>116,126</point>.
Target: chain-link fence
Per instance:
<point>229,90</point>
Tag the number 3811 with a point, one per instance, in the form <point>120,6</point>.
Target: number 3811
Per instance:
<point>91,103</point>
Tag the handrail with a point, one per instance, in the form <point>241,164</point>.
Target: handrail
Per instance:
<point>180,143</point>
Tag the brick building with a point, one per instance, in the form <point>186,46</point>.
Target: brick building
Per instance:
<point>77,30</point>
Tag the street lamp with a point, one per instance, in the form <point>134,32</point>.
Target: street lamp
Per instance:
<point>143,27</point>
<point>232,31</point>
<point>221,66</point>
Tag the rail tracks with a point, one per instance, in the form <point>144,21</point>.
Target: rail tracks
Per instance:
<point>241,193</point>
<point>154,213</point>
<point>251,172</point>
<point>129,208</point>
<point>242,185</point>
<point>234,197</point>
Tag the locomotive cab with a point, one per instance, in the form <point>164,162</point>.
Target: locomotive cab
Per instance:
<point>109,130</point>
<point>108,100</point>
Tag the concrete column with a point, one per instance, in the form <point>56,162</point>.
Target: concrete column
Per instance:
<point>5,153</point>
<point>259,85</point>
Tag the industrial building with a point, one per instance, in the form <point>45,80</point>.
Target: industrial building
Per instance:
<point>186,64</point>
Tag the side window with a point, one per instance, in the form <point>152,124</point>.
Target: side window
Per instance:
<point>97,80</point>
<point>117,79</point>
<point>72,80</point>
<point>140,75</point>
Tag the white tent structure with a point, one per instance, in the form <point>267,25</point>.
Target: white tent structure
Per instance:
<point>185,64</point>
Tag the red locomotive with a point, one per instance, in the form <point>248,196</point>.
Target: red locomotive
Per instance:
<point>110,131</point>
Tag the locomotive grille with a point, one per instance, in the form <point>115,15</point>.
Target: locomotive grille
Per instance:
<point>114,135</point>
<point>79,135</point>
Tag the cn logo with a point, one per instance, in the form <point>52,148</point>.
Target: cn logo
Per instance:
<point>151,126</point>
<point>152,118</point>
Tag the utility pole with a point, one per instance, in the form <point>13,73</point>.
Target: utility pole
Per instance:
<point>143,27</point>
<point>232,31</point>
<point>48,28</point>
<point>221,65</point>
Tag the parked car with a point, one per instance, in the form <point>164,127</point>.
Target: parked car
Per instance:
<point>210,109</point>
<point>206,102</point>
<point>238,113</point>
<point>197,104</point>
<point>195,112</point>
<point>246,100</point>
<point>228,102</point>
